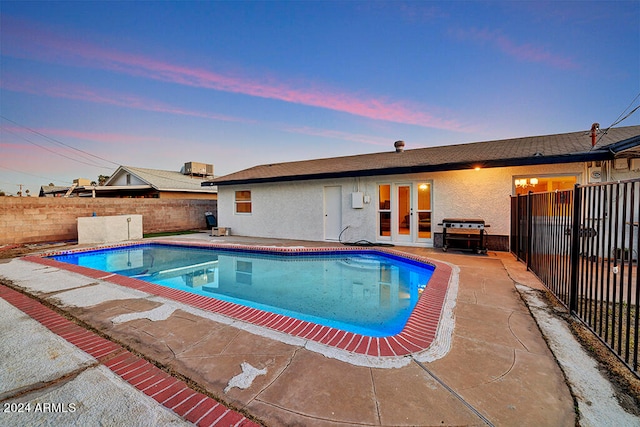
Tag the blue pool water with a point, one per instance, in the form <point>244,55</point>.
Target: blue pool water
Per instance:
<point>365,292</point>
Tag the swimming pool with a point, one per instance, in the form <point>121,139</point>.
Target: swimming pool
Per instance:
<point>360,291</point>
<point>427,332</point>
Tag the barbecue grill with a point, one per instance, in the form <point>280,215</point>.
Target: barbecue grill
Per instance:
<point>464,233</point>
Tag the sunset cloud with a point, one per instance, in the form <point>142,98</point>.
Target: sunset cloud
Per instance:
<point>10,146</point>
<point>106,97</point>
<point>99,137</point>
<point>528,52</point>
<point>37,44</point>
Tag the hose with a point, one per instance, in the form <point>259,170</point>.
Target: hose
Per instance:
<point>362,243</point>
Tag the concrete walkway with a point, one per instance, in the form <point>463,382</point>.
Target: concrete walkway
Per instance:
<point>498,371</point>
<point>55,373</point>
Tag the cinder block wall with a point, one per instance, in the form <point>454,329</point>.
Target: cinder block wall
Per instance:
<point>50,219</point>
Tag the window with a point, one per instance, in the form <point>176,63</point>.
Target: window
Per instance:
<point>541,184</point>
<point>243,201</point>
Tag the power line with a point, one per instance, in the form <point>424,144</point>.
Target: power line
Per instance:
<point>54,152</point>
<point>30,174</point>
<point>630,113</point>
<point>620,118</point>
<point>147,171</point>
<point>57,142</point>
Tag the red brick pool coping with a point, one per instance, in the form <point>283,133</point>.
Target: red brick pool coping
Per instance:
<point>168,391</point>
<point>417,335</point>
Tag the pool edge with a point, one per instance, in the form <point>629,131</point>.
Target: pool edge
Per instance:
<point>424,325</point>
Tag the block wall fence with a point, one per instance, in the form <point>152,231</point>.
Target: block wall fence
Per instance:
<point>51,219</point>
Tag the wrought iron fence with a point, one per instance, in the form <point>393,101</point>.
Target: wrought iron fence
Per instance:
<point>583,245</point>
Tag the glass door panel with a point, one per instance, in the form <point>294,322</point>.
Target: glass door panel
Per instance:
<point>384,210</point>
<point>424,211</point>
<point>404,217</point>
<point>404,212</point>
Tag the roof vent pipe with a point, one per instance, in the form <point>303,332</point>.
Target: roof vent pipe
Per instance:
<point>399,146</point>
<point>595,128</point>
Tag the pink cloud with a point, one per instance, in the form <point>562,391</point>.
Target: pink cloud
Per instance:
<point>34,43</point>
<point>524,52</point>
<point>82,93</point>
<point>9,146</point>
<point>31,139</point>
<point>110,138</point>
<point>26,165</point>
<point>119,99</point>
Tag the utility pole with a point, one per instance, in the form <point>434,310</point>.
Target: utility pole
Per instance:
<point>20,192</point>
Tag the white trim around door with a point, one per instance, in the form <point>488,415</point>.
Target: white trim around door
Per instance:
<point>332,212</point>
<point>404,213</point>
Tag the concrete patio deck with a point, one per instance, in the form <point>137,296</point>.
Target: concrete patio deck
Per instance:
<point>499,369</point>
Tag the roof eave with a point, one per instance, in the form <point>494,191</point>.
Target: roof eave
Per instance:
<point>624,145</point>
<point>596,155</point>
<point>188,190</point>
<point>124,187</point>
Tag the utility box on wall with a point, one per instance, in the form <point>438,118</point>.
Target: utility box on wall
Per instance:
<point>357,200</point>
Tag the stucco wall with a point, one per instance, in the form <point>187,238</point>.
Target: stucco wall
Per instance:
<point>289,211</point>
<point>45,219</point>
<point>295,210</point>
<point>485,193</point>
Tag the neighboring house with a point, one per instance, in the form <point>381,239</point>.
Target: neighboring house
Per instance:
<point>128,181</point>
<point>52,191</point>
<point>401,196</point>
<point>61,191</point>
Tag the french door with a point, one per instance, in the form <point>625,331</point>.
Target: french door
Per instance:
<point>404,212</point>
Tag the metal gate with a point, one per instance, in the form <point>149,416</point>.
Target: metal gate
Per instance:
<point>583,245</point>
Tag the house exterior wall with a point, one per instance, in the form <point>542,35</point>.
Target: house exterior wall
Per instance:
<point>485,193</point>
<point>295,210</point>
<point>621,169</point>
<point>289,210</point>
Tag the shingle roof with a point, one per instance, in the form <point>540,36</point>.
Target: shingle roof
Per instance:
<point>560,148</point>
<point>164,180</point>
<point>52,188</point>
